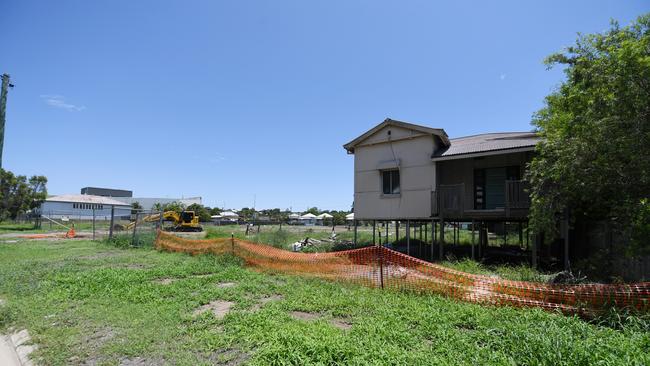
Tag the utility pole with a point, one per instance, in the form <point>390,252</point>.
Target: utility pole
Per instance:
<point>3,107</point>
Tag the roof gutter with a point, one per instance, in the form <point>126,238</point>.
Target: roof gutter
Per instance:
<point>483,153</point>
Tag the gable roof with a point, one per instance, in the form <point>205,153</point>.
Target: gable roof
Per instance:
<point>488,142</point>
<point>391,122</point>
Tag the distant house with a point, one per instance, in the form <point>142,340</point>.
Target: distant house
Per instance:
<point>294,219</point>
<point>323,218</point>
<point>226,217</point>
<point>83,207</point>
<point>308,219</point>
<point>349,218</point>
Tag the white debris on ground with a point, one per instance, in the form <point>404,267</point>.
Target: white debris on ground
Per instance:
<point>309,242</point>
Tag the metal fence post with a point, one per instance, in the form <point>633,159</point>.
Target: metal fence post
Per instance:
<point>110,229</point>
<point>232,241</point>
<point>135,225</point>
<point>381,265</point>
<point>93,223</point>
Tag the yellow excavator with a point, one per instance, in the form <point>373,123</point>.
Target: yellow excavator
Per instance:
<point>184,221</point>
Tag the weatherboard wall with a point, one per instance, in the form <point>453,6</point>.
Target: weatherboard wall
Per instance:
<point>410,152</point>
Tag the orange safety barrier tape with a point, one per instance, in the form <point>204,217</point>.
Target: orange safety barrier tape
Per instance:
<point>381,267</point>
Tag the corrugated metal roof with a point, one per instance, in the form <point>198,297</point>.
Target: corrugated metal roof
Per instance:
<point>488,142</point>
<point>86,198</point>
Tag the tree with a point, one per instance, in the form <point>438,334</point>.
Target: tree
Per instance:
<point>18,195</point>
<point>215,211</point>
<point>247,213</point>
<point>313,210</point>
<point>596,133</point>
<point>201,211</point>
<point>175,206</point>
<point>135,207</point>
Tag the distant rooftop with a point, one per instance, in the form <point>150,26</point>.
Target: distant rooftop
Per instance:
<point>86,198</point>
<point>107,192</point>
<point>489,142</point>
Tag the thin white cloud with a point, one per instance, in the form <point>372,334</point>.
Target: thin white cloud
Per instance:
<point>216,158</point>
<point>58,101</point>
<point>502,76</point>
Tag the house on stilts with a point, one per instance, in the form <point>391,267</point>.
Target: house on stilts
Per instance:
<point>435,192</point>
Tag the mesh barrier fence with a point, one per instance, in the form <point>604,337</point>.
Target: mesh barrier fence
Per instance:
<point>381,267</point>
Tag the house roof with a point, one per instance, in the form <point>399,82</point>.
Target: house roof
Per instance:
<point>308,216</point>
<point>324,215</point>
<point>229,214</point>
<point>391,122</point>
<point>349,216</point>
<point>487,143</point>
<point>86,198</point>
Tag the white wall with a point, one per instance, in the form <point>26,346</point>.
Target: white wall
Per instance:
<point>417,175</point>
<point>57,210</point>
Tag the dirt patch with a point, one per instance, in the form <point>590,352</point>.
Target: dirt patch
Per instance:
<point>225,284</point>
<point>135,266</point>
<point>302,315</point>
<point>341,323</point>
<point>230,357</point>
<point>165,281</point>
<point>141,361</point>
<point>265,300</point>
<point>99,337</point>
<point>100,256</point>
<point>93,342</point>
<point>219,308</point>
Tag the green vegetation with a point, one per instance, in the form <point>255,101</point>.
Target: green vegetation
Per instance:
<point>90,302</point>
<point>516,273</point>
<point>18,194</point>
<point>283,238</point>
<point>596,129</point>
<point>23,228</point>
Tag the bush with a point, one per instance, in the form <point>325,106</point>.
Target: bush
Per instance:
<point>126,240</point>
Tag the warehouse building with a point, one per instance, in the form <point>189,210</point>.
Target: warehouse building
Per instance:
<point>83,207</point>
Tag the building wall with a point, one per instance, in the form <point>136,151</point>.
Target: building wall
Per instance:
<point>147,203</point>
<point>417,175</point>
<point>58,210</point>
<point>462,170</point>
<point>106,192</point>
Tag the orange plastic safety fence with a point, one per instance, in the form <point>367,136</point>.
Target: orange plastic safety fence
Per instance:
<point>381,267</point>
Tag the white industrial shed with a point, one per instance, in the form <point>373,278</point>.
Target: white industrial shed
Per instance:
<point>82,207</point>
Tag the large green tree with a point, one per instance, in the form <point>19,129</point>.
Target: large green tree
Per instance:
<point>201,211</point>
<point>595,156</point>
<point>18,194</point>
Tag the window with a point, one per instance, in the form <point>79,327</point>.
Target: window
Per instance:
<point>390,182</point>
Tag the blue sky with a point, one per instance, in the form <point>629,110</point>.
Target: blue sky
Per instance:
<point>232,100</point>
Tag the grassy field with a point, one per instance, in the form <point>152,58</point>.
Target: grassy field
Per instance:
<point>91,303</point>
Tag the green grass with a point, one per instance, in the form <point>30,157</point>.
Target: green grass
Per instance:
<point>511,272</point>
<point>283,238</point>
<point>89,301</point>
